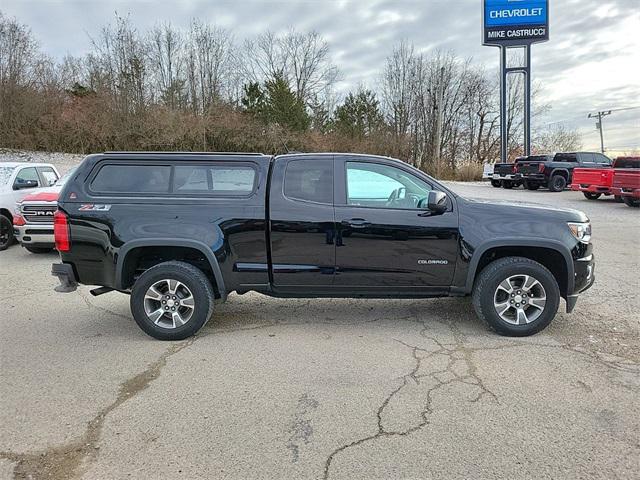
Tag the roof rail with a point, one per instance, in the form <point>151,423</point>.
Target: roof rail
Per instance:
<point>136,152</point>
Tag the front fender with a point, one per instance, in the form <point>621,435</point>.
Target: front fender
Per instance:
<point>520,242</point>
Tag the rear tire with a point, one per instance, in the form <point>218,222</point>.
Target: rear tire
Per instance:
<point>6,232</point>
<point>631,202</point>
<point>531,186</point>
<point>517,273</point>
<point>591,196</point>
<point>496,183</point>
<point>507,184</point>
<point>557,183</point>
<point>38,249</point>
<point>618,199</point>
<point>189,284</point>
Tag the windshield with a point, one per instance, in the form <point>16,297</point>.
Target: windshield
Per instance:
<point>5,174</point>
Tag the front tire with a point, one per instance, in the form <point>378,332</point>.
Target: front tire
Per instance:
<point>557,183</point>
<point>172,300</point>
<point>507,184</point>
<point>496,183</point>
<point>516,296</point>
<point>6,232</point>
<point>591,196</point>
<point>631,202</point>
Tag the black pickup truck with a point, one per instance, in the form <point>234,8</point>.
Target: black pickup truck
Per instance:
<point>179,231</point>
<point>555,171</point>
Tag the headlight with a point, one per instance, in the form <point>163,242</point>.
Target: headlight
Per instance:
<point>582,231</point>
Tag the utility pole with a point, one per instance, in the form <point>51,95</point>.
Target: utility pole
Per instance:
<point>439,113</point>
<point>599,126</point>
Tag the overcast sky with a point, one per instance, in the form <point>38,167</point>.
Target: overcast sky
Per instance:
<point>592,61</point>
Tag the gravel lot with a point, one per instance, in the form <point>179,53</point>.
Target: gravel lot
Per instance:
<point>340,389</point>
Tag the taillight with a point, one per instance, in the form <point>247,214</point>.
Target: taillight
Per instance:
<point>18,220</point>
<point>541,168</point>
<point>61,231</point>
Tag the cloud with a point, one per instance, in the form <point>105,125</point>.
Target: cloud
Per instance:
<point>591,62</point>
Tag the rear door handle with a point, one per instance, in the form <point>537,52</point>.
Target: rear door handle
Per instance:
<point>356,223</point>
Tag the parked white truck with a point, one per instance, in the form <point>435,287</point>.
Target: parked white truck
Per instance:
<point>17,180</point>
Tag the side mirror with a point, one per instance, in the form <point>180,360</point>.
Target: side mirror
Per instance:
<point>19,185</point>
<point>437,202</point>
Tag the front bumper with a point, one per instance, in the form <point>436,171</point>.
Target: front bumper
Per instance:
<point>29,234</point>
<point>67,277</point>
<point>584,277</point>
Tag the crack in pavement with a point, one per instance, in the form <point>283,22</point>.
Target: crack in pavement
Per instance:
<point>457,352</point>
<point>65,461</point>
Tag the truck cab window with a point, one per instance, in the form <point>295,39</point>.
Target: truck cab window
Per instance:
<point>309,180</point>
<point>382,186</point>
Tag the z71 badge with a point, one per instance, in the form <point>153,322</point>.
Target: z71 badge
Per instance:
<point>91,207</point>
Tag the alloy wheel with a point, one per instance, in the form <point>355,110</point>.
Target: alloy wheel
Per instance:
<point>519,299</point>
<point>169,303</point>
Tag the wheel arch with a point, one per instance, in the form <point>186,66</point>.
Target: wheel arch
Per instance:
<point>561,171</point>
<point>551,254</point>
<point>125,253</point>
<point>6,213</point>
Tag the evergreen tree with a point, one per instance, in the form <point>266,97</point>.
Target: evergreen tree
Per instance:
<point>359,115</point>
<point>253,100</point>
<point>283,107</point>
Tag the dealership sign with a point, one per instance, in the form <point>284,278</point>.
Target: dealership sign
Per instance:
<point>515,22</point>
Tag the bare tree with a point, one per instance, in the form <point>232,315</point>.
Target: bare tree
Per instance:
<point>302,59</point>
<point>166,53</point>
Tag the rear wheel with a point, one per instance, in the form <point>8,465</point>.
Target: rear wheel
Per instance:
<point>172,300</point>
<point>516,296</point>
<point>618,198</point>
<point>507,184</point>
<point>591,196</point>
<point>631,202</point>
<point>531,186</point>
<point>6,232</point>
<point>496,183</point>
<point>38,249</point>
<point>557,183</point>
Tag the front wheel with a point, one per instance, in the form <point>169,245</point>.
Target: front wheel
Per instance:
<point>172,300</point>
<point>516,296</point>
<point>6,232</point>
<point>496,183</point>
<point>591,196</point>
<point>631,202</point>
<point>557,183</point>
<point>507,184</point>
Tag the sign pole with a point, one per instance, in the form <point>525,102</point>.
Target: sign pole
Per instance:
<point>527,101</point>
<point>504,131</point>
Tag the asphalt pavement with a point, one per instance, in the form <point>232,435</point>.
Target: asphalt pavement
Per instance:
<point>325,389</point>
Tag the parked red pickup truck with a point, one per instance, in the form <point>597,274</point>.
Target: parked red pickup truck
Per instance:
<point>626,180</point>
<point>621,180</point>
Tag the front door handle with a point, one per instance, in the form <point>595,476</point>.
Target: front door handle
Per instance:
<point>356,223</point>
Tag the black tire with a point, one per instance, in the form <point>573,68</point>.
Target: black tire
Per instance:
<point>6,232</point>
<point>38,249</point>
<point>631,202</point>
<point>496,272</point>
<point>618,198</point>
<point>557,183</point>
<point>194,279</point>
<point>531,186</point>
<point>507,184</point>
<point>591,196</point>
<point>496,183</point>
